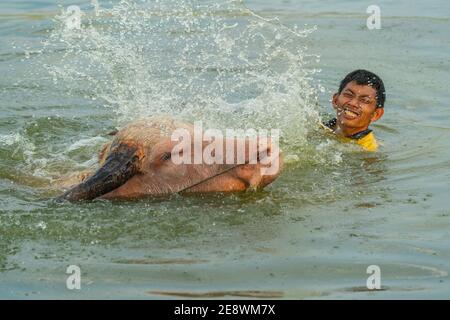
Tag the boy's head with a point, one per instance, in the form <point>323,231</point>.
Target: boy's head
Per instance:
<point>359,101</point>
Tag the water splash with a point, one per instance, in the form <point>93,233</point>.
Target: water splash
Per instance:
<point>218,62</point>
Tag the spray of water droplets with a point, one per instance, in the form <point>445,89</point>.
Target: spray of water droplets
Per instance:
<point>218,62</point>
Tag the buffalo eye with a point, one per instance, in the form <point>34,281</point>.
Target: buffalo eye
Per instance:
<point>166,156</point>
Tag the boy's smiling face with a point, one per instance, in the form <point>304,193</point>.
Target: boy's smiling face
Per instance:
<point>356,108</point>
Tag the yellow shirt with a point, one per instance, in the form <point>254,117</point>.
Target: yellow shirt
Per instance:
<point>367,142</point>
<point>365,139</point>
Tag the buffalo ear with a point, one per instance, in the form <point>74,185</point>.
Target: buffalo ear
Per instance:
<point>103,152</point>
<point>113,132</point>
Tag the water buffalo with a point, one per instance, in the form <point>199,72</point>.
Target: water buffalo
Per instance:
<point>139,162</point>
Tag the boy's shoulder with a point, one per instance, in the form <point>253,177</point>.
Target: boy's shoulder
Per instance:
<point>368,142</point>
<point>366,139</point>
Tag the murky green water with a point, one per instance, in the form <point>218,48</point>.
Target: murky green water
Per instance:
<point>311,234</point>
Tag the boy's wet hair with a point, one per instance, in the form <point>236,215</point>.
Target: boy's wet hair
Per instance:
<point>364,77</point>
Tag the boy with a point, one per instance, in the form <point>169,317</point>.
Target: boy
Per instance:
<point>358,103</point>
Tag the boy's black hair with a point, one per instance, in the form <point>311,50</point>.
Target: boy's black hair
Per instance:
<point>364,77</point>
